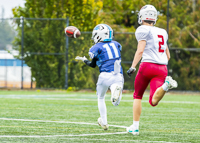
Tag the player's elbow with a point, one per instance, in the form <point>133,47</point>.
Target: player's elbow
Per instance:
<point>168,57</point>
<point>140,52</point>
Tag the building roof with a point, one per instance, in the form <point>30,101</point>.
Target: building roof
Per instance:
<point>8,55</point>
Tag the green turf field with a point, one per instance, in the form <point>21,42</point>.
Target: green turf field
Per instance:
<point>51,116</point>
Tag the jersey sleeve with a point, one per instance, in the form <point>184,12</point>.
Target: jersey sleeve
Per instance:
<point>166,36</point>
<point>142,33</point>
<point>93,52</point>
<point>118,45</point>
<point>91,63</point>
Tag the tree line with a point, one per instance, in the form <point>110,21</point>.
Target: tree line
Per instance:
<point>48,36</point>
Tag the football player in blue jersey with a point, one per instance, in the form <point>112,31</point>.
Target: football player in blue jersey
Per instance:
<point>106,55</point>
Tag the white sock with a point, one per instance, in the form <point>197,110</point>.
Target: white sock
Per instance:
<point>165,86</point>
<point>136,124</point>
<point>102,110</point>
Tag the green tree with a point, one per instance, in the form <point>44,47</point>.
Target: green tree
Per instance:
<point>47,36</point>
<point>184,31</point>
<point>184,27</point>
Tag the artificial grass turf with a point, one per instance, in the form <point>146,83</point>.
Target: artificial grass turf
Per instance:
<point>175,119</point>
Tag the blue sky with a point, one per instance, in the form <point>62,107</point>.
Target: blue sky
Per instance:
<point>8,5</point>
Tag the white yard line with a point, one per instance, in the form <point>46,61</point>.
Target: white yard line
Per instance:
<point>42,96</point>
<point>48,121</point>
<point>48,136</point>
<point>87,139</point>
<point>122,140</point>
<point>81,99</point>
<point>70,135</point>
<point>67,95</point>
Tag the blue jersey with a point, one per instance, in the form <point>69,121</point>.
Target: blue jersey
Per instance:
<point>106,54</point>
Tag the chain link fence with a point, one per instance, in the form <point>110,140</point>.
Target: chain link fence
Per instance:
<point>36,53</point>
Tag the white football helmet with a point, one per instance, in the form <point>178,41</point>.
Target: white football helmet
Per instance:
<point>102,32</point>
<point>147,12</point>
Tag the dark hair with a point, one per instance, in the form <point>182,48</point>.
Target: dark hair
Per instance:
<point>149,22</point>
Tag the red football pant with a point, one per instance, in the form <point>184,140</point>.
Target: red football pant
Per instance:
<point>149,72</point>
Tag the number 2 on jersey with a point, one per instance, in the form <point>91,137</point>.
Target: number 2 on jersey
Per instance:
<point>161,43</point>
<point>108,49</point>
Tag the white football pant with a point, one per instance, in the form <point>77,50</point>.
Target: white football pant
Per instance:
<point>105,81</point>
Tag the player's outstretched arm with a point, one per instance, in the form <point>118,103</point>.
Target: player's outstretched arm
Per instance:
<point>87,62</point>
<point>91,63</point>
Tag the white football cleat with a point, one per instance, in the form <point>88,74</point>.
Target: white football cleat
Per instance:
<point>116,94</point>
<point>100,122</point>
<point>171,83</point>
<point>132,130</point>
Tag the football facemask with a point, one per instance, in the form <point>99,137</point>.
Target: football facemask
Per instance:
<point>147,12</point>
<point>101,33</point>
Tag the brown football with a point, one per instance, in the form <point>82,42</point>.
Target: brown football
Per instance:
<point>72,32</point>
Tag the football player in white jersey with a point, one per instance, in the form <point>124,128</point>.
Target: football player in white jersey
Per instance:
<point>152,48</point>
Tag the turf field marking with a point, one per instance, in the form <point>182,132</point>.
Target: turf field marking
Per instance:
<point>36,136</point>
<point>82,99</point>
<point>122,140</point>
<point>48,121</point>
<point>47,136</point>
<point>51,136</point>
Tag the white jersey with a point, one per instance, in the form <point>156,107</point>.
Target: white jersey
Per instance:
<point>156,44</point>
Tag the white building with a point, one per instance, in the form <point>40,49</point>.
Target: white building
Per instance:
<point>10,71</point>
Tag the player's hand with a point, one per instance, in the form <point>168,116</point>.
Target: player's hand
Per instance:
<point>81,58</point>
<point>131,71</point>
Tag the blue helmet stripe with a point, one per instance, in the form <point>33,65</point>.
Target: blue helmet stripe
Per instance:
<point>110,30</point>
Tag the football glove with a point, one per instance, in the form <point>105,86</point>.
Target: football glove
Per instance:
<point>131,71</point>
<point>81,58</point>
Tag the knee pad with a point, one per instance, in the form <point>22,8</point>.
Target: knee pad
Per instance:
<point>116,103</point>
<point>112,88</point>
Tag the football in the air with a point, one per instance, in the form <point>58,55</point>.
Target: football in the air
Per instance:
<point>72,32</point>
